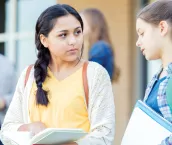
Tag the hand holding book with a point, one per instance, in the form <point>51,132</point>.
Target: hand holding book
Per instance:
<point>37,127</point>
<point>49,136</point>
<point>34,127</point>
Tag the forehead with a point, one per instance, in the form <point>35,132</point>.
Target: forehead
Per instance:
<point>66,22</point>
<point>141,24</point>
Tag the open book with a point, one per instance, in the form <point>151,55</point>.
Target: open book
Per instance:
<point>146,127</point>
<point>47,136</point>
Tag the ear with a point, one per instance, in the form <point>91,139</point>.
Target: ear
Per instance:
<point>44,40</point>
<point>163,25</point>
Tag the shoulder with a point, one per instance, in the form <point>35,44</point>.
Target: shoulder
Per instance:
<point>25,71</point>
<point>93,66</point>
<point>100,48</point>
<point>101,44</point>
<point>96,70</point>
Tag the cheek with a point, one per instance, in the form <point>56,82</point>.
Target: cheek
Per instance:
<point>57,47</point>
<point>80,41</point>
<point>154,51</point>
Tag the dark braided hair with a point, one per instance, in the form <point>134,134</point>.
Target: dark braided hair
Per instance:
<point>44,25</point>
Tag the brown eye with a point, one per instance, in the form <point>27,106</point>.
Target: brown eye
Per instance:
<point>63,35</point>
<point>78,32</point>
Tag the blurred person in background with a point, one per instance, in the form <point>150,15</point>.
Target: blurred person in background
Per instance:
<point>100,46</point>
<point>7,85</point>
<point>54,96</point>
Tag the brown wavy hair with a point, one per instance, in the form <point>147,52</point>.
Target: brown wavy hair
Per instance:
<point>156,12</point>
<point>99,31</point>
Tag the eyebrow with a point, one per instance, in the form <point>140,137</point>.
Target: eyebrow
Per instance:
<point>67,30</point>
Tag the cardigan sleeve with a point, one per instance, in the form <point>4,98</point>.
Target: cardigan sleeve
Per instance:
<point>101,109</point>
<point>14,116</point>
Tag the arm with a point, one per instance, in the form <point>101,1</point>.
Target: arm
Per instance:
<point>101,110</point>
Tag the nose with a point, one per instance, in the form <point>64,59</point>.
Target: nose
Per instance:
<point>72,40</point>
<point>138,43</point>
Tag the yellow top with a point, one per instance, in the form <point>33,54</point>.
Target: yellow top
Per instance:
<point>67,107</point>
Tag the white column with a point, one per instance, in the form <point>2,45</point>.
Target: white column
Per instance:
<point>11,50</point>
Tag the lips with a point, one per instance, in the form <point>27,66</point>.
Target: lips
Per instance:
<point>142,50</point>
<point>72,50</point>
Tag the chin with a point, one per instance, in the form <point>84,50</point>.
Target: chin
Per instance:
<point>151,58</point>
<point>72,58</point>
<point>148,58</point>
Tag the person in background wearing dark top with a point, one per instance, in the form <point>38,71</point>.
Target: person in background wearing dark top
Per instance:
<point>101,49</point>
<point>7,85</point>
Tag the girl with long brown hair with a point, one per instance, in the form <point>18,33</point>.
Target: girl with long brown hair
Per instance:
<point>100,46</point>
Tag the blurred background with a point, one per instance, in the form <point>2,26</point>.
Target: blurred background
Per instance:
<point>17,23</point>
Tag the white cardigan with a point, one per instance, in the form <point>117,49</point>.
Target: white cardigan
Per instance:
<point>101,107</point>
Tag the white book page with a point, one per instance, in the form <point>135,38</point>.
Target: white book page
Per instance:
<point>143,130</point>
<point>47,136</point>
<point>57,136</point>
<point>18,137</point>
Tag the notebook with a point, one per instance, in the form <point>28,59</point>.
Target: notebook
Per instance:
<point>47,136</point>
<point>146,127</point>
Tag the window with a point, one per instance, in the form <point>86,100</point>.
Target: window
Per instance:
<point>17,34</point>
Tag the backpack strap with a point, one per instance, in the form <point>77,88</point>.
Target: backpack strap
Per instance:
<point>85,82</point>
<point>27,74</point>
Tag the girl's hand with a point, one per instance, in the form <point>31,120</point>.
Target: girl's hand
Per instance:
<point>34,127</point>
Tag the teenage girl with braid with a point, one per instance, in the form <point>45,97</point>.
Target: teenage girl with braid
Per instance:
<point>54,96</point>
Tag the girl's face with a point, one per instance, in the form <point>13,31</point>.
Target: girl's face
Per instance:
<point>149,39</point>
<point>65,40</point>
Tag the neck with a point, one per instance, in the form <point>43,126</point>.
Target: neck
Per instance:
<point>166,57</point>
<point>58,66</point>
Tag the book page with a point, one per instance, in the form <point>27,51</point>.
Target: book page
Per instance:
<point>143,130</point>
<point>18,137</point>
<point>47,136</point>
<point>57,136</point>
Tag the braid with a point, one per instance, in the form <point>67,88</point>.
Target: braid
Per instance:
<point>40,73</point>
